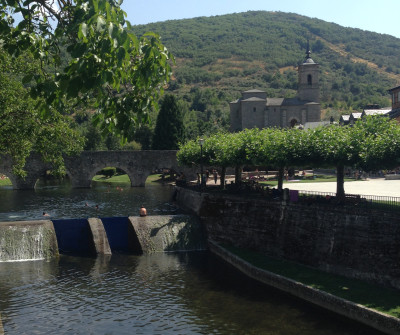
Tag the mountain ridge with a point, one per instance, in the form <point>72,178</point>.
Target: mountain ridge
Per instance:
<point>225,55</point>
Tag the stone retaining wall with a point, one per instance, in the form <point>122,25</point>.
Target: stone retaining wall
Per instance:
<point>345,241</point>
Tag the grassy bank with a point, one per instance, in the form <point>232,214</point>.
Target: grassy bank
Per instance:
<point>372,296</point>
<point>5,182</point>
<point>124,179</point>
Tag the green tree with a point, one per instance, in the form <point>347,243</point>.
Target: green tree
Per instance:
<point>122,74</point>
<point>94,140</point>
<point>169,126</point>
<point>23,129</point>
<point>380,143</point>
<point>333,147</point>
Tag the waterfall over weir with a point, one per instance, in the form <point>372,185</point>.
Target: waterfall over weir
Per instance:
<point>44,239</point>
<point>27,240</point>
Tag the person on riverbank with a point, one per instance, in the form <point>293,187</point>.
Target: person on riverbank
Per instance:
<point>215,174</point>
<point>142,211</point>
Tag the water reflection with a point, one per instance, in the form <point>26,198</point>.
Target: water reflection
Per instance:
<point>63,202</point>
<point>185,293</point>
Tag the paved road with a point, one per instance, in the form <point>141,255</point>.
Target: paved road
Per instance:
<point>377,186</point>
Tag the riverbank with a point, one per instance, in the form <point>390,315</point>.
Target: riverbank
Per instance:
<point>317,248</point>
<point>369,304</point>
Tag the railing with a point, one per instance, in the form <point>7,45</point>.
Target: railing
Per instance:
<point>360,201</point>
<point>375,202</point>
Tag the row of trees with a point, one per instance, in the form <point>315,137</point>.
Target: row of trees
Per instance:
<point>372,143</point>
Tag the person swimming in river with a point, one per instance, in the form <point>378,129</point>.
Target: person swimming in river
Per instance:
<point>45,214</point>
<point>142,211</point>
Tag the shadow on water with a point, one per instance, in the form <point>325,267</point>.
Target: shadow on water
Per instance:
<point>181,293</point>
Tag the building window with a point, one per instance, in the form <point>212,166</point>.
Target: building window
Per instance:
<point>309,79</point>
<point>254,109</point>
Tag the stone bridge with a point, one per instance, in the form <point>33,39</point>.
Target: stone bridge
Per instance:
<point>81,168</point>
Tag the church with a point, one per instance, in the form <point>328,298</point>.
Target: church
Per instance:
<point>255,109</point>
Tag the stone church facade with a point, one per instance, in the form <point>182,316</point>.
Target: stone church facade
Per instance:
<point>255,110</point>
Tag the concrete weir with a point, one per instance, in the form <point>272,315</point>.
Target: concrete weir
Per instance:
<point>169,233</point>
<point>44,239</point>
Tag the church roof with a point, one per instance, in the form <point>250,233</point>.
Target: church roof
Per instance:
<point>308,59</point>
<point>254,91</point>
<point>288,102</point>
<point>254,99</point>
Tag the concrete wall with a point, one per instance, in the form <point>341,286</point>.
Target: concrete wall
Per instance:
<point>357,244</point>
<point>169,233</point>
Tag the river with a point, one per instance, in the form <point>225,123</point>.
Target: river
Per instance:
<point>61,201</point>
<point>171,293</point>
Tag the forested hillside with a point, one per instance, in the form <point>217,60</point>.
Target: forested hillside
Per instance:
<point>218,57</point>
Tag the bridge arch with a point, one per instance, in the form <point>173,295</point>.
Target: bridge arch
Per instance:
<point>94,171</point>
<point>81,168</point>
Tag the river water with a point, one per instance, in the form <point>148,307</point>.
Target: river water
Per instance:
<point>61,201</point>
<point>171,293</point>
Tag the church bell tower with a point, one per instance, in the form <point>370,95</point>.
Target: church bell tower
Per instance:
<point>308,89</point>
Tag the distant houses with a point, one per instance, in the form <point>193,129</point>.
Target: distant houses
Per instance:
<point>391,112</point>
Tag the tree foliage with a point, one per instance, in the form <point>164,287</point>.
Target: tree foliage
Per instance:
<point>23,129</point>
<point>169,128</point>
<point>373,143</point>
<point>121,74</point>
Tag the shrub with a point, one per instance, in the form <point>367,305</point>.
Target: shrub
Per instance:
<point>108,172</point>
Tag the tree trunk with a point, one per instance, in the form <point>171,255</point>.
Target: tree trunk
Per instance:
<point>280,178</point>
<point>340,183</point>
<point>222,178</point>
<point>238,175</point>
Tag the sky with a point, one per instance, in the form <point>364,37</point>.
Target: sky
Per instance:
<point>378,16</point>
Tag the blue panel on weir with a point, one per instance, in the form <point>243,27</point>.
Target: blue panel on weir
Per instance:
<point>74,236</point>
<point>117,230</point>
